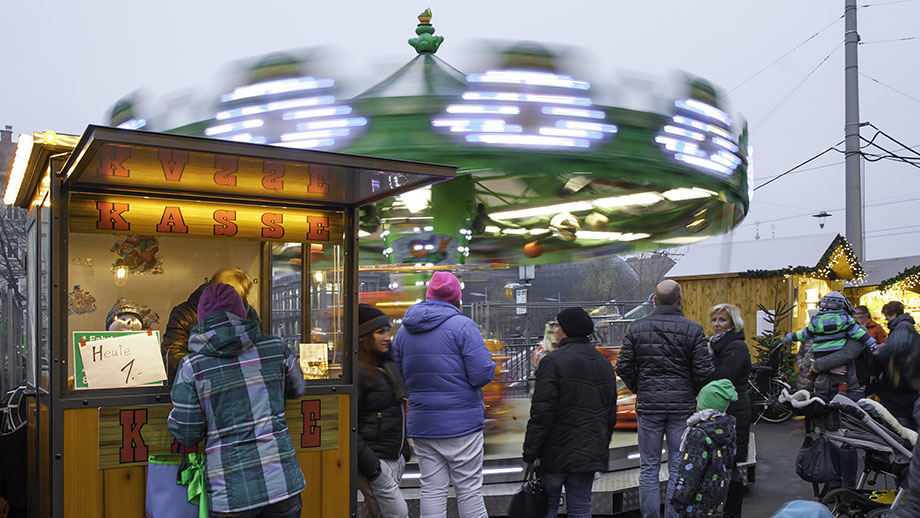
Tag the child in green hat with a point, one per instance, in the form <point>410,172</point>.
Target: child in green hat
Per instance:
<point>707,453</point>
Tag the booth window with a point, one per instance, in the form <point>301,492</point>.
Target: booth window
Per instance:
<point>126,284</point>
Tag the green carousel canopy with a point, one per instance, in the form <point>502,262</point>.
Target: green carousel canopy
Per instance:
<point>546,173</point>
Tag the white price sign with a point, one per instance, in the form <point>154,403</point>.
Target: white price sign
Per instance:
<point>122,361</point>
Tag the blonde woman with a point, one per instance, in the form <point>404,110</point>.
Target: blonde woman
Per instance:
<point>732,361</point>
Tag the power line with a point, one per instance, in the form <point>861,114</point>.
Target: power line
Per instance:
<point>777,60</point>
<point>777,177</point>
<point>896,141</point>
<point>797,86</point>
<point>890,41</point>
<point>838,209</point>
<point>886,3</point>
<point>890,87</point>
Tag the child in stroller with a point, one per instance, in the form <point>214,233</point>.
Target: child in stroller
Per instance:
<point>867,426</point>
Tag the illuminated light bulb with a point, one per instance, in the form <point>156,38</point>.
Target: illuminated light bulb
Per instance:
<point>49,137</point>
<point>121,276</point>
<point>318,277</point>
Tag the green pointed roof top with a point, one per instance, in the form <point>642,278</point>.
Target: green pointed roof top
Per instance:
<point>426,43</point>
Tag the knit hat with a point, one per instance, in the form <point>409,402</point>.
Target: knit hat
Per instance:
<point>575,322</point>
<point>220,297</point>
<point>370,319</point>
<point>443,286</point>
<point>717,395</point>
<point>803,509</point>
<point>834,301</point>
<point>121,308</point>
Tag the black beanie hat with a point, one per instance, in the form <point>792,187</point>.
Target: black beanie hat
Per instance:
<point>370,319</point>
<point>575,322</point>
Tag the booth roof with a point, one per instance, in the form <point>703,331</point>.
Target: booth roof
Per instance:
<point>761,258</point>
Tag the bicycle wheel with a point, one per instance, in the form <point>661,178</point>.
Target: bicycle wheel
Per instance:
<point>773,410</point>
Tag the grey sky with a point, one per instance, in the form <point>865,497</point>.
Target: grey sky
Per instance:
<point>66,63</point>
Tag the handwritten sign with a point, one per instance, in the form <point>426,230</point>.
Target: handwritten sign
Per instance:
<point>127,359</point>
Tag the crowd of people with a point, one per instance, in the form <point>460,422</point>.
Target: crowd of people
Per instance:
<point>425,384</point>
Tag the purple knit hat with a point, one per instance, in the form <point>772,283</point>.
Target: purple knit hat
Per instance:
<point>444,286</point>
<point>220,297</point>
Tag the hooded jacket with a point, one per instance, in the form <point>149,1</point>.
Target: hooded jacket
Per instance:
<point>732,360</point>
<point>899,400</point>
<point>230,390</point>
<point>664,361</point>
<point>707,455</point>
<point>182,319</point>
<point>574,410</point>
<point>445,363</point>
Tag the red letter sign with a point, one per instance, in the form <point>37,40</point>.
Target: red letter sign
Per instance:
<point>319,176</point>
<point>274,171</point>
<point>110,161</point>
<point>318,228</point>
<point>226,225</point>
<point>173,162</point>
<point>110,216</point>
<point>310,438</point>
<point>132,448</point>
<point>227,166</point>
<point>172,221</point>
<point>274,230</point>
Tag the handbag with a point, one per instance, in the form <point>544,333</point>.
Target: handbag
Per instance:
<point>171,481</point>
<point>817,461</point>
<point>530,500</point>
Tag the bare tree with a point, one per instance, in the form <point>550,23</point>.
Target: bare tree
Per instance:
<point>13,252</point>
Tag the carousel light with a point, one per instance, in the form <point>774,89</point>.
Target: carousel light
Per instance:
<point>572,112</point>
<point>311,135</point>
<point>133,124</point>
<point>683,193</point>
<point>680,146</point>
<point>545,210</point>
<point>704,163</point>
<point>318,277</point>
<point>429,228</point>
<point>626,200</point>
<point>275,106</point>
<point>528,77</point>
<point>278,86</point>
<point>306,144</point>
<point>473,108</point>
<point>233,126</point>
<point>362,233</point>
<point>528,140</point>
<point>492,229</point>
<point>704,109</point>
<point>674,130</point>
<point>316,112</point>
<point>589,126</point>
<point>726,144</point>
<point>332,123</point>
<point>529,98</point>
<point>417,200</point>
<point>693,123</point>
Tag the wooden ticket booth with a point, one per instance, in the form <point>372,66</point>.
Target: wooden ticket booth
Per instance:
<point>125,219</point>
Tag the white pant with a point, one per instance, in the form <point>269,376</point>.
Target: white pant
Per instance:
<point>382,497</point>
<point>456,460</point>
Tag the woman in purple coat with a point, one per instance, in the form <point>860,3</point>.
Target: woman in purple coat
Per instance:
<point>445,364</point>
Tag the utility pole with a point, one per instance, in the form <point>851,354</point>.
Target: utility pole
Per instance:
<point>854,219</point>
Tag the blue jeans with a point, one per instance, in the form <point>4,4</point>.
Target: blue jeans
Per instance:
<point>287,508</point>
<point>577,493</point>
<point>651,433</point>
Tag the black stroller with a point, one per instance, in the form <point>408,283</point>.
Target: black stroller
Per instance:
<point>866,426</point>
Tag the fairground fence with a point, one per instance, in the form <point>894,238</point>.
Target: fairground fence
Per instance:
<point>519,331</point>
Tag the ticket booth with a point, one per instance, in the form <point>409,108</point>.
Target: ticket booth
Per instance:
<point>124,226</point>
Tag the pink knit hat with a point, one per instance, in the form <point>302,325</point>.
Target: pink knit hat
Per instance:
<point>444,286</point>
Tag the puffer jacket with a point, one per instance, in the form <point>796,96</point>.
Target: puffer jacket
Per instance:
<point>445,363</point>
<point>574,410</point>
<point>707,455</point>
<point>381,425</point>
<point>910,506</point>
<point>230,391</point>
<point>664,361</point>
<point>182,319</point>
<point>732,361</point>
<point>899,400</point>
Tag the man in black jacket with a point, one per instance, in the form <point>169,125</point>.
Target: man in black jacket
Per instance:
<point>572,415</point>
<point>664,361</point>
<point>899,398</point>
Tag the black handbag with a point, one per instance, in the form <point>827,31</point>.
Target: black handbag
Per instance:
<point>530,500</point>
<point>817,461</point>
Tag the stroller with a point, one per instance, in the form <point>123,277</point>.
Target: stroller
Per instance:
<point>869,427</point>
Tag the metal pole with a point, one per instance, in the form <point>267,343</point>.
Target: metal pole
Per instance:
<point>853,185</point>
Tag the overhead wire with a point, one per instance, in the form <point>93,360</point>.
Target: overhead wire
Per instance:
<point>912,98</point>
<point>896,141</point>
<point>908,38</point>
<point>788,171</point>
<point>808,75</point>
<point>777,60</point>
<point>877,4</point>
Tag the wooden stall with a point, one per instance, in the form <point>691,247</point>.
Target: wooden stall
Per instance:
<point>121,218</point>
<point>895,278</point>
<point>761,272</point>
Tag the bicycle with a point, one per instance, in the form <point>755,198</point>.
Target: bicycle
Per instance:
<point>766,385</point>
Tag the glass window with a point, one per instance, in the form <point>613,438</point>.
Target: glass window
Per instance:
<point>44,290</point>
<point>31,302</point>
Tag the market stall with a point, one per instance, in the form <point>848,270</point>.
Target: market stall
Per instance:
<point>896,278</point>
<point>124,226</point>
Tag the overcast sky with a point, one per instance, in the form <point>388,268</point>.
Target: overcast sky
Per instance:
<point>65,64</point>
